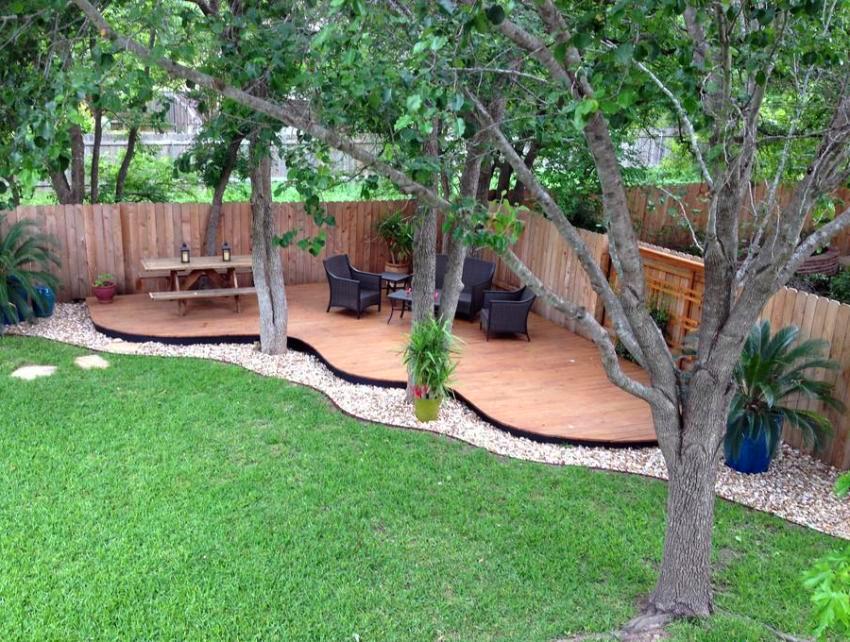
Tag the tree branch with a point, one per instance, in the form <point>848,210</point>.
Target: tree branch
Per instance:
<point>598,334</point>
<point>289,114</point>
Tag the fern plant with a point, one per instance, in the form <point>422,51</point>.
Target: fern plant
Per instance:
<point>26,257</point>
<point>772,368</point>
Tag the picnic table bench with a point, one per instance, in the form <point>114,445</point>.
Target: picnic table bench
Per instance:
<point>182,276</point>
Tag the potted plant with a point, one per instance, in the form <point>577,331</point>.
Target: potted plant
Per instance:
<point>772,368</point>
<point>104,288</point>
<point>397,232</point>
<point>428,357</point>
<point>26,256</point>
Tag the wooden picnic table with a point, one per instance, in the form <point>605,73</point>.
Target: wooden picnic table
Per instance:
<point>182,276</point>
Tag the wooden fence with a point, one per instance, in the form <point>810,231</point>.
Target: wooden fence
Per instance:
<point>96,239</point>
<point>676,283</point>
<point>545,251</point>
<point>114,238</point>
<point>657,212</point>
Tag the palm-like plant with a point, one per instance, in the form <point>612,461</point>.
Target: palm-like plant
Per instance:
<point>26,256</point>
<point>428,356</point>
<point>772,368</point>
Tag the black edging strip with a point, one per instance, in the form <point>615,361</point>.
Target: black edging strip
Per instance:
<point>300,345</point>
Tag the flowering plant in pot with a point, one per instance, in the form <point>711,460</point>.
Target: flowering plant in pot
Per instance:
<point>773,368</point>
<point>428,357</point>
<point>396,230</point>
<point>104,288</point>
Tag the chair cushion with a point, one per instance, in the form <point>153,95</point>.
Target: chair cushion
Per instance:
<point>369,297</point>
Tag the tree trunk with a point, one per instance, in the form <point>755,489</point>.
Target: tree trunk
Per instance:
<point>78,164</point>
<point>129,152</point>
<point>94,179</point>
<point>61,187</point>
<point>684,583</point>
<point>266,261</point>
<point>214,219</point>
<point>483,193</point>
<point>452,284</point>
<point>691,448</point>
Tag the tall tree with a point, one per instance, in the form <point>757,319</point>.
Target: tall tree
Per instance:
<point>711,64</point>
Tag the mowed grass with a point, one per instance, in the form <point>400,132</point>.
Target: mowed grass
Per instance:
<point>177,499</point>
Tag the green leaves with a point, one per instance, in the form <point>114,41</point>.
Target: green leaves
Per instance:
<point>829,584</point>
<point>842,485</point>
<point>583,111</point>
<point>495,14</point>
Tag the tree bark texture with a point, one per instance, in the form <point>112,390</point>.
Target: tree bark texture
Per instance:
<point>129,152</point>
<point>266,261</point>
<point>214,220</point>
<point>78,164</point>
<point>94,177</point>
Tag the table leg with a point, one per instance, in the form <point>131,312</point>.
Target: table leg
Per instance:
<point>392,309</point>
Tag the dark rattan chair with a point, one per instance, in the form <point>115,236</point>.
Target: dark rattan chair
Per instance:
<point>477,277</point>
<point>350,288</point>
<point>506,312</point>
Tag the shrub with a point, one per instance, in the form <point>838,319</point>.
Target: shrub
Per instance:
<point>839,287</point>
<point>772,369</point>
<point>829,582</point>
<point>428,356</point>
<point>26,256</point>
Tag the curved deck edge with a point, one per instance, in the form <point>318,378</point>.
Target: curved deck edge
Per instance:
<point>302,346</point>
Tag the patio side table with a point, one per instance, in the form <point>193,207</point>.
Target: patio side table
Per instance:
<point>406,299</point>
<point>395,280</point>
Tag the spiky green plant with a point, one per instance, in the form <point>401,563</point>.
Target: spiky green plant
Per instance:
<point>772,368</point>
<point>428,356</point>
<point>26,256</point>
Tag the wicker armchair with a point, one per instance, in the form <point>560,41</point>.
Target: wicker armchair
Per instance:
<point>477,277</point>
<point>350,288</point>
<point>506,312</point>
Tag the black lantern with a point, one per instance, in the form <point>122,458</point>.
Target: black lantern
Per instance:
<point>225,252</point>
<point>184,253</point>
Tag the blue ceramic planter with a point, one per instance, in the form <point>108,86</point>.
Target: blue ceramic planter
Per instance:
<point>45,307</point>
<point>754,455</point>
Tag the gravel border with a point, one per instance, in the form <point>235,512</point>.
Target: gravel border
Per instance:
<point>797,488</point>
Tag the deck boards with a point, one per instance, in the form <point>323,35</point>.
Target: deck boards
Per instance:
<point>554,386</point>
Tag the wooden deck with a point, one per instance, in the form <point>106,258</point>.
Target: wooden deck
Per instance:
<point>552,388</point>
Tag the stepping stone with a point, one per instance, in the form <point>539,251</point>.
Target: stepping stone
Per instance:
<point>91,361</point>
<point>121,347</point>
<point>28,373</point>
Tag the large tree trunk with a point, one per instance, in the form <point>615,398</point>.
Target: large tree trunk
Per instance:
<point>78,164</point>
<point>61,187</point>
<point>691,447</point>
<point>94,178</point>
<point>214,219</point>
<point>684,583</point>
<point>129,152</point>
<point>266,261</point>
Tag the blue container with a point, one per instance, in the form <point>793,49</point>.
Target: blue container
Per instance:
<point>44,308</point>
<point>754,455</point>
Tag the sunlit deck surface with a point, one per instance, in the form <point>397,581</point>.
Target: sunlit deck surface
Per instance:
<point>553,388</point>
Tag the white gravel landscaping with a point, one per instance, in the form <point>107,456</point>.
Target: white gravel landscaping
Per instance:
<point>797,487</point>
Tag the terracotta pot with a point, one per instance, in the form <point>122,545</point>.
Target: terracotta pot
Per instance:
<point>397,268</point>
<point>427,409</point>
<point>825,263</point>
<point>105,293</point>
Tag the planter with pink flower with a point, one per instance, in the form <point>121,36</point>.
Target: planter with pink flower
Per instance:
<point>429,359</point>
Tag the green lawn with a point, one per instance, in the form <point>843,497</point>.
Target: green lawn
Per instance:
<point>171,499</point>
